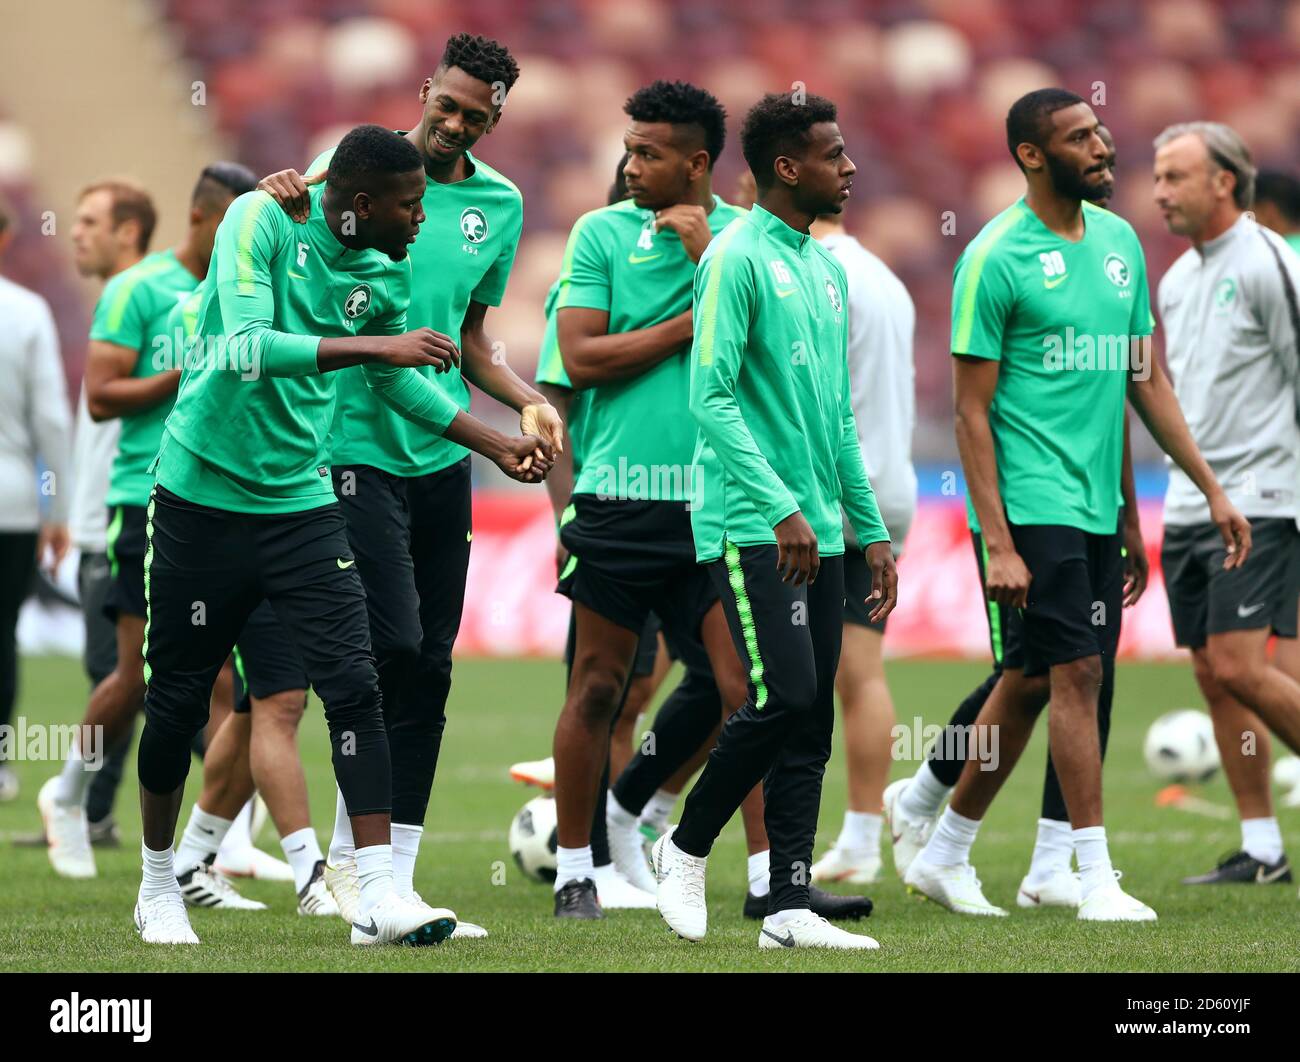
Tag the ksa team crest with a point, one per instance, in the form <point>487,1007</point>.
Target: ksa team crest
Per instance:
<point>1116,270</point>
<point>357,302</point>
<point>833,293</point>
<point>473,224</point>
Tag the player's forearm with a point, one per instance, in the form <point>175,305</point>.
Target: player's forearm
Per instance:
<point>473,434</point>
<point>1127,484</point>
<point>124,395</point>
<point>595,359</point>
<point>1156,404</point>
<point>979,465</point>
<point>857,495</point>
<point>559,484</point>
<point>491,375</point>
<point>411,396</point>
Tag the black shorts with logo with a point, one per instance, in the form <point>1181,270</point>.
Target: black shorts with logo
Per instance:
<point>266,660</point>
<point>857,588</point>
<point>126,549</point>
<point>1204,599</point>
<point>1076,597</point>
<point>628,559</point>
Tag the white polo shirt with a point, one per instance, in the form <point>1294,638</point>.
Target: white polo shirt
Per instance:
<point>882,377</point>
<point>34,418</point>
<point>1232,349</point>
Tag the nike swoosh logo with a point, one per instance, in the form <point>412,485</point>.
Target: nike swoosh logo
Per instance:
<point>786,941</point>
<point>1263,878</point>
<point>204,829</point>
<point>637,259</point>
<point>1053,283</point>
<point>1246,613</point>
<point>296,276</point>
<point>345,564</point>
<point>299,848</point>
<point>1030,895</point>
<point>784,294</point>
<point>371,930</point>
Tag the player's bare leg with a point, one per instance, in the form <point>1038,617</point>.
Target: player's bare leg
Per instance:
<point>942,870</point>
<point>1244,749</point>
<point>1239,661</point>
<point>114,704</point>
<point>868,713</point>
<point>602,659</point>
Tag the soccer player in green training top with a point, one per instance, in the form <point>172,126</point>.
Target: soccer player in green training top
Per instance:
<point>779,455</point>
<point>243,508</point>
<point>624,326</point>
<point>254,746</point>
<point>126,378</point>
<point>405,494</point>
<point>1051,331</point>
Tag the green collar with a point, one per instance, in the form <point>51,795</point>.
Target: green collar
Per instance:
<point>778,229</point>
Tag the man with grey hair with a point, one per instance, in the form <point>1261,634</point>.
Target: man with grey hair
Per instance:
<point>1230,315</point>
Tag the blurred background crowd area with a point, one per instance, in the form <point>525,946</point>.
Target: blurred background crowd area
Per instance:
<point>922,87</point>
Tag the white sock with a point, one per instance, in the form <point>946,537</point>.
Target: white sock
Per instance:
<point>342,847</point>
<point>240,837</point>
<point>375,873</point>
<point>74,779</point>
<point>952,840</point>
<point>616,814</point>
<point>159,873</point>
<point>1052,850</point>
<point>1262,839</point>
<point>760,883</point>
<point>572,864</point>
<point>779,918</point>
<point>406,849</point>
<point>302,850</point>
<point>924,795</point>
<point>860,833</point>
<point>1095,870</point>
<point>658,808</point>
<point>202,837</point>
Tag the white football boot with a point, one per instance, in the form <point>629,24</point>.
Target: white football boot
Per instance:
<point>463,930</point>
<point>955,887</point>
<point>811,931</point>
<point>540,773</point>
<point>1061,888</point>
<point>202,886</point>
<point>909,836</point>
<point>66,834</point>
<point>852,868</point>
<point>162,920</point>
<point>252,862</point>
<point>345,887</point>
<point>680,896</point>
<point>394,920</point>
<point>314,898</point>
<point>1109,903</point>
<point>614,892</point>
<point>627,851</point>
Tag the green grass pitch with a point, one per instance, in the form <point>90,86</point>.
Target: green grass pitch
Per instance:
<point>503,711</point>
